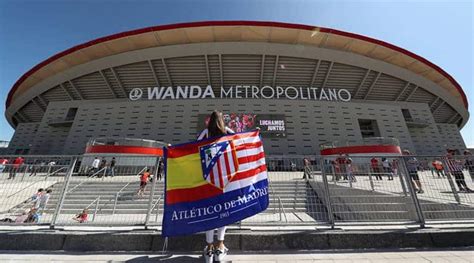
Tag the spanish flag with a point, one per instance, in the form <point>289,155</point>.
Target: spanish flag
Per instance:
<point>213,183</point>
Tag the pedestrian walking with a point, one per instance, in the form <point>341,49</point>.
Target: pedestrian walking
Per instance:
<point>95,165</point>
<point>387,168</point>
<point>469,163</point>
<point>412,167</point>
<point>17,163</point>
<point>161,168</point>
<point>374,164</point>
<point>102,168</point>
<point>111,168</point>
<point>144,177</point>
<point>42,201</point>
<point>438,168</point>
<point>341,162</point>
<point>307,171</point>
<point>455,168</point>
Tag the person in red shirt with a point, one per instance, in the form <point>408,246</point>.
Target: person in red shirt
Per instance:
<point>16,166</point>
<point>143,181</point>
<point>374,163</point>
<point>82,217</point>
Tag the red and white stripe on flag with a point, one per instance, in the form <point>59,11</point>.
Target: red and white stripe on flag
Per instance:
<point>251,163</point>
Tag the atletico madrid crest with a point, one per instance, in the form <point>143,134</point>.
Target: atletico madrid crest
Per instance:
<point>219,163</point>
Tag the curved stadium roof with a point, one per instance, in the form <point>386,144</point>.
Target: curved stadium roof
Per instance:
<point>450,103</point>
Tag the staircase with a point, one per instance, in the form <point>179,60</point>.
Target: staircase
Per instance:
<point>83,194</point>
<point>300,201</point>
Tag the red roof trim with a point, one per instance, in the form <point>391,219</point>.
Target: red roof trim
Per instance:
<point>231,23</point>
<point>359,149</point>
<point>120,149</point>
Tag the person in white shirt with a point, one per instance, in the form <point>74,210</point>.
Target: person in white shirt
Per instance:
<point>95,165</point>
<point>43,201</point>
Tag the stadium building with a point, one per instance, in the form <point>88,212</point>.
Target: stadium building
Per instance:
<point>302,85</point>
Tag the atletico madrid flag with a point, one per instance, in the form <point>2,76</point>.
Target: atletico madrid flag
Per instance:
<point>213,183</point>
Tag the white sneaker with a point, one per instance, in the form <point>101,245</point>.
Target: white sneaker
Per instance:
<point>208,255</point>
<point>219,254</point>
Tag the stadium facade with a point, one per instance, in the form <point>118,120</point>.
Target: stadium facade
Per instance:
<point>302,85</point>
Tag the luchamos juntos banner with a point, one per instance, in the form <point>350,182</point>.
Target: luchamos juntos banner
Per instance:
<point>239,92</point>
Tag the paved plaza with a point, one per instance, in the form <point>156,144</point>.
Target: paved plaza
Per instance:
<point>349,256</point>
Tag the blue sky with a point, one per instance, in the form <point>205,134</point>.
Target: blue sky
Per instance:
<point>440,31</point>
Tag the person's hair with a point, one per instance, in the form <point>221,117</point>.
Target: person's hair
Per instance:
<point>453,151</point>
<point>216,126</point>
<point>49,191</point>
<point>40,190</point>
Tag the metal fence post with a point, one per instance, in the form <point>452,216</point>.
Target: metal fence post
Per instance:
<point>416,201</point>
<point>63,193</point>
<point>453,188</point>
<point>371,180</point>
<point>327,195</point>
<point>96,208</point>
<point>152,192</point>
<point>402,182</point>
<point>24,172</point>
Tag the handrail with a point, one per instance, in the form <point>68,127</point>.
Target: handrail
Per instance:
<point>102,169</point>
<point>76,186</point>
<point>57,171</point>
<point>97,200</point>
<point>30,185</point>
<point>117,196</point>
<point>22,189</point>
<point>22,206</point>
<point>157,205</point>
<point>281,208</point>
<point>142,170</point>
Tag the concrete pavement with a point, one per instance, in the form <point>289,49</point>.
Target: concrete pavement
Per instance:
<point>342,256</point>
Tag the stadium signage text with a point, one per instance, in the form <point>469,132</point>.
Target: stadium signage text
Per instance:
<point>240,92</point>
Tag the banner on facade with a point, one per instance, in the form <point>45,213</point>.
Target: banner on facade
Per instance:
<point>271,125</point>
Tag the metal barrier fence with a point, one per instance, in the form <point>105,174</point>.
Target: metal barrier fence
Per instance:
<point>304,190</point>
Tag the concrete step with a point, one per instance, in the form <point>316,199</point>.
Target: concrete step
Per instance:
<point>372,216</point>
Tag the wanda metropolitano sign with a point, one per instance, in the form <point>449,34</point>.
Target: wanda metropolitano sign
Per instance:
<point>240,92</point>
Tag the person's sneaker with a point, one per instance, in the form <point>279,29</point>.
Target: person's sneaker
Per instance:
<point>219,253</point>
<point>420,191</point>
<point>208,255</point>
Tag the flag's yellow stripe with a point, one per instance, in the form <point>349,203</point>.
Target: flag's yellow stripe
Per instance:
<point>184,172</point>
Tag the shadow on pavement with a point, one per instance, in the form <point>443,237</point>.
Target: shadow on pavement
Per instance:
<point>165,258</point>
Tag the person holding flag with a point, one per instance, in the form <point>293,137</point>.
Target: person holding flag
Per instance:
<point>217,180</point>
<point>216,127</point>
